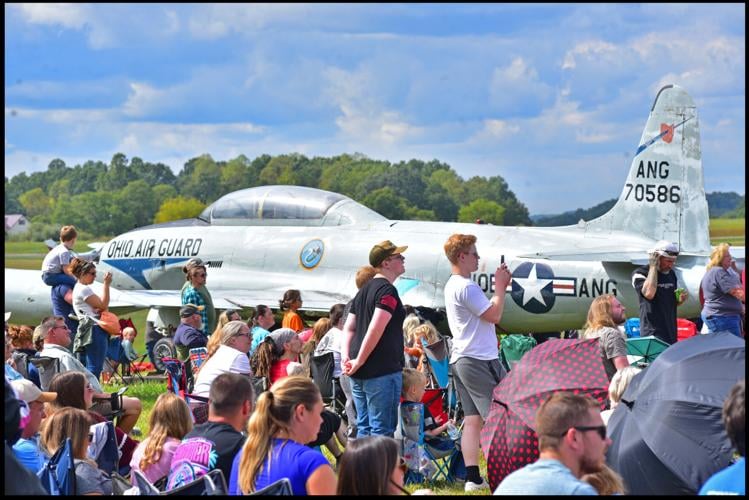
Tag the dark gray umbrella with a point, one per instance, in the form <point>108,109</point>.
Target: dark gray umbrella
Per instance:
<point>667,433</point>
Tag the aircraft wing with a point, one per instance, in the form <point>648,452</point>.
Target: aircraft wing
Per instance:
<point>638,257</point>
<point>157,298</point>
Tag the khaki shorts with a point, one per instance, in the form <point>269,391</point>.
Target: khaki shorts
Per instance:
<point>475,380</point>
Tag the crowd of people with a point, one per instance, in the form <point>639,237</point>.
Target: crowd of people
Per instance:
<point>259,434</point>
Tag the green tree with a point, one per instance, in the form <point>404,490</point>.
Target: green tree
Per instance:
<point>163,192</point>
<point>486,210</point>
<point>235,175</point>
<point>387,203</point>
<point>35,202</point>
<point>136,206</point>
<point>204,183</point>
<point>179,208</point>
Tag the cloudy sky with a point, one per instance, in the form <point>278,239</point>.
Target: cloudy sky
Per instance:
<point>551,97</point>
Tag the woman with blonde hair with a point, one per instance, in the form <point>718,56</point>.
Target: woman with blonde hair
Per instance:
<point>215,339</point>
<point>229,356</point>
<point>618,385</point>
<point>170,420</point>
<point>723,293</point>
<point>319,329</point>
<point>286,417</point>
<point>75,424</point>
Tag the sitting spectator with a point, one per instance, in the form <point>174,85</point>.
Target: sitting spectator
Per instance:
<point>294,369</point>
<point>128,337</point>
<point>22,340</point>
<point>424,335</point>
<point>189,333</point>
<point>26,448</point>
<point>414,388</point>
<point>606,481</point>
<point>223,318</point>
<point>278,349</point>
<point>732,479</point>
<point>229,357</point>
<point>215,443</point>
<point>10,371</point>
<point>262,321</point>
<point>170,420</point>
<point>606,313</point>
<point>372,465</point>
<point>618,385</point>
<point>74,391</point>
<point>75,424</point>
<point>56,337</point>
<point>319,329</point>
<point>55,264</point>
<point>411,348</point>
<point>572,442</point>
<point>286,417</point>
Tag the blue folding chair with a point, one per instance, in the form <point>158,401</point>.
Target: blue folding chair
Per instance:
<point>58,475</point>
<point>438,361</point>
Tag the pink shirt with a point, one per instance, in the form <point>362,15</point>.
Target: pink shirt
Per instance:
<point>156,471</point>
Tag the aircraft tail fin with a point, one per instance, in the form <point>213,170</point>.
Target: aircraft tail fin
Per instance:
<point>664,195</point>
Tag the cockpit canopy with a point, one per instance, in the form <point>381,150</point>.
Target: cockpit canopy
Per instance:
<point>287,206</point>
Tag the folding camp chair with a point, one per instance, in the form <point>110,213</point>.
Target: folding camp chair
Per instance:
<point>259,386</point>
<point>211,483</point>
<point>176,382</point>
<point>440,381</point>
<point>282,487</point>
<point>47,367</point>
<point>103,447</point>
<point>321,370</point>
<point>58,475</point>
<point>425,462</point>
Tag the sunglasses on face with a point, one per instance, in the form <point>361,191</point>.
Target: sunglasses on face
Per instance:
<point>200,275</point>
<point>600,429</point>
<point>398,257</point>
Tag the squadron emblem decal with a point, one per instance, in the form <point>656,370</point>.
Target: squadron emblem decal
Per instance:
<point>311,254</point>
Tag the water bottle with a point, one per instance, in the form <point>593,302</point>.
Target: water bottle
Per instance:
<point>452,431</point>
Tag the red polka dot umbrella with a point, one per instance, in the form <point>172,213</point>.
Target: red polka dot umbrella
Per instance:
<point>509,439</point>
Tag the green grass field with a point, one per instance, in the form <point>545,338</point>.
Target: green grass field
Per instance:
<point>29,255</point>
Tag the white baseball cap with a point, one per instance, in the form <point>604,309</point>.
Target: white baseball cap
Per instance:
<point>27,391</point>
<point>7,316</point>
<point>667,249</point>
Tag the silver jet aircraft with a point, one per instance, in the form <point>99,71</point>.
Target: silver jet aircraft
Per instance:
<point>261,241</point>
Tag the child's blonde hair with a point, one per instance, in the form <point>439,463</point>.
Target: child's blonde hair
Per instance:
<point>426,330</point>
<point>412,378</point>
<point>170,417</point>
<point>129,330</point>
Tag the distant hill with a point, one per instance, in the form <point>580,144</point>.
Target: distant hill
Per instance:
<point>719,204</point>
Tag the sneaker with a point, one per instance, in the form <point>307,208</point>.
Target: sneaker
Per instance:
<point>471,486</point>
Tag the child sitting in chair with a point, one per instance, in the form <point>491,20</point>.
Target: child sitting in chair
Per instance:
<point>128,337</point>
<point>414,386</point>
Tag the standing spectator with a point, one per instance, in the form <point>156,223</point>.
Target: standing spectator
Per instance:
<point>55,264</point>
<point>723,293</point>
<point>75,424</point>
<point>604,315</point>
<point>73,390</point>
<point>572,442</point>
<point>215,443</point>
<point>26,448</point>
<point>291,302</point>
<point>169,421</point>
<point>655,285</point>
<point>475,354</point>
<point>732,479</point>
<point>195,292</point>
<point>56,339</point>
<point>372,350</point>
<point>87,304</point>
<point>262,321</point>
<point>229,357</point>
<point>152,335</point>
<point>62,305</point>
<point>618,385</point>
<point>287,417</point>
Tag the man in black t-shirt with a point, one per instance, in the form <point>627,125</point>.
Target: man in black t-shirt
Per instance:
<point>372,347</point>
<point>220,438</point>
<point>656,287</point>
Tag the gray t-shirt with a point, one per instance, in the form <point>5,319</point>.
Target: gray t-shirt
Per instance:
<point>90,479</point>
<point>715,285</point>
<point>613,344</point>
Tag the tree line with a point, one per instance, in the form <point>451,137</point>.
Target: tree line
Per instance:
<point>107,199</point>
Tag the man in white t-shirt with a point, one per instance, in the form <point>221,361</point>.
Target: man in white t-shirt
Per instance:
<point>475,353</point>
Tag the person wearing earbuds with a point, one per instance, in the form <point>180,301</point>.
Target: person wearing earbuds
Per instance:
<point>656,287</point>
<point>475,354</point>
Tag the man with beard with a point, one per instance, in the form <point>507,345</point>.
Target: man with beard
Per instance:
<point>604,315</point>
<point>572,442</point>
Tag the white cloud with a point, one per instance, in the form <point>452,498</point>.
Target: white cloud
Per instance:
<point>69,15</point>
<point>144,99</point>
<point>591,49</point>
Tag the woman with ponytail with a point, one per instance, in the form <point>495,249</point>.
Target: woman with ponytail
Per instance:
<point>285,418</point>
